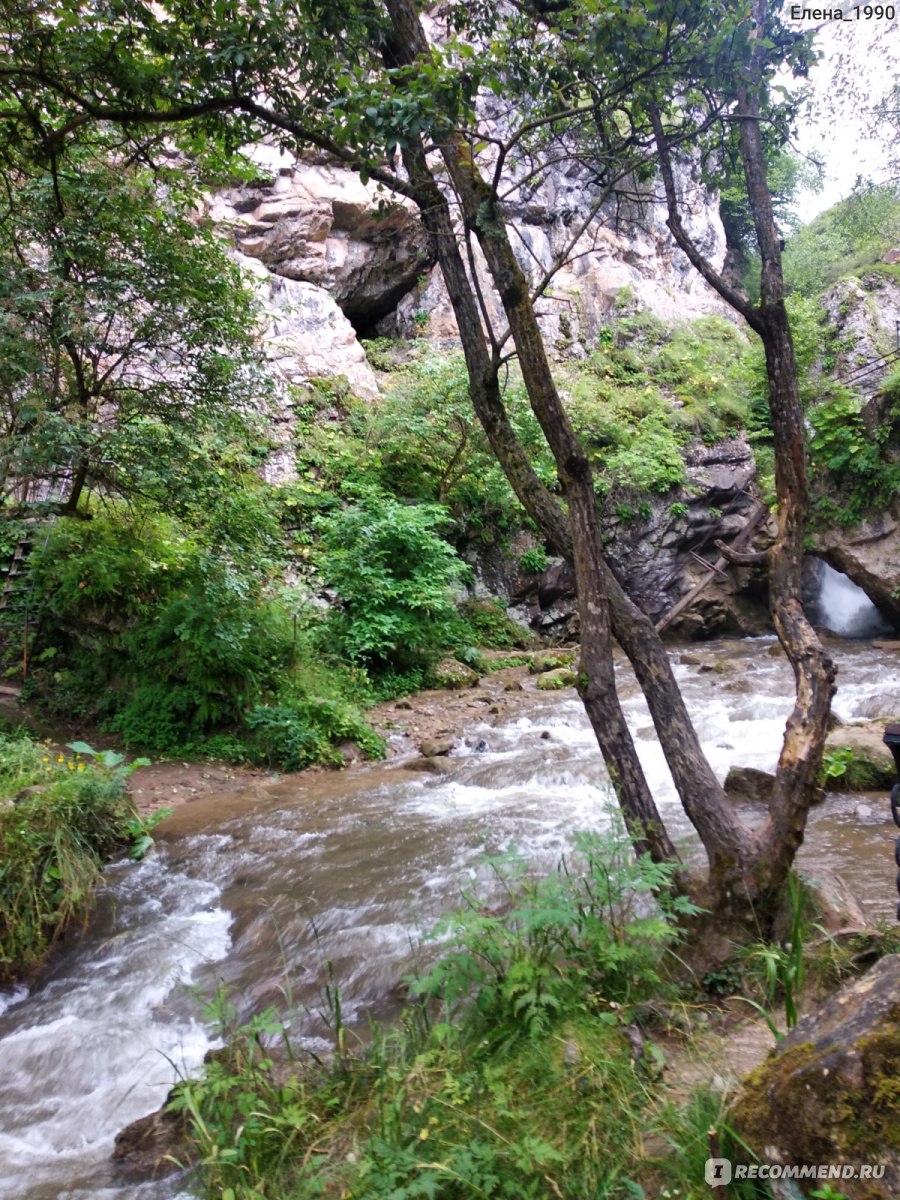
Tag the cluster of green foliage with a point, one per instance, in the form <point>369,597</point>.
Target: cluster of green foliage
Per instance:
<point>847,239</point>
<point>126,331</point>
<point>419,442</point>
<point>61,815</point>
<point>510,1077</point>
<point>648,388</point>
<point>856,468</point>
<point>168,635</point>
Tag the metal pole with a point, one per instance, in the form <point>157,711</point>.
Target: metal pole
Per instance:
<point>892,740</point>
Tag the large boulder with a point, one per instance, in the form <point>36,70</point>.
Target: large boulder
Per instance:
<point>450,673</point>
<point>830,1091</point>
<point>857,760</point>
<point>748,785</point>
<point>556,680</point>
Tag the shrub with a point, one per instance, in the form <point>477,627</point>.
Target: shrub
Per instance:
<point>60,817</point>
<point>394,574</point>
<point>506,970</point>
<point>534,561</point>
<point>486,624</point>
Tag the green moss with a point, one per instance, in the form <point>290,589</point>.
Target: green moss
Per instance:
<point>827,1107</point>
<point>553,681</point>
<point>551,660</point>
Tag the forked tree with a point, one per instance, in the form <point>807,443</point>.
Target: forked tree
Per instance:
<point>361,81</point>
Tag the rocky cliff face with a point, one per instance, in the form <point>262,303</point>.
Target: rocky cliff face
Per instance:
<point>866,314</point>
<point>335,260</point>
<point>312,222</point>
<point>662,554</point>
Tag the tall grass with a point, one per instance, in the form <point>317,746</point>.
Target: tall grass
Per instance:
<point>515,1075</point>
<point>60,817</point>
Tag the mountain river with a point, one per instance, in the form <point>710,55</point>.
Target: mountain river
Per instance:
<point>260,890</point>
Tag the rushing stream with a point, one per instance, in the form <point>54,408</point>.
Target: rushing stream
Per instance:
<point>350,870</point>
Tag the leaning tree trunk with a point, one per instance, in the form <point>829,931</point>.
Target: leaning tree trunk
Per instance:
<point>814,673</point>
<point>596,680</point>
<point>777,842</point>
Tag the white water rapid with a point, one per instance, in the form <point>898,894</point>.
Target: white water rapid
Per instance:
<point>261,893</point>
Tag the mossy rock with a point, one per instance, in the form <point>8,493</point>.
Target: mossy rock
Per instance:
<point>868,765</point>
<point>551,660</point>
<point>453,674</point>
<point>554,681</point>
<point>830,1092</point>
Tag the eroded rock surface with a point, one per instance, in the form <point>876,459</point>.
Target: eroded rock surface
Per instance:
<point>830,1091</point>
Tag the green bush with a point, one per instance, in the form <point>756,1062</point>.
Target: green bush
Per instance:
<point>533,561</point>
<point>60,817</point>
<point>854,471</point>
<point>486,624</point>
<point>180,649</point>
<point>505,970</point>
<point>394,575</point>
<point>421,441</point>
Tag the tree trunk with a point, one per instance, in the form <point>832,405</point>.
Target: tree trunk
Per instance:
<point>814,672</point>
<point>801,755</point>
<point>596,680</point>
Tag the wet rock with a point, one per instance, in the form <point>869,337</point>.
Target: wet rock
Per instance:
<point>832,904</point>
<point>551,660</point>
<point>749,785</point>
<point>829,1092</point>
<point>350,752</point>
<point>513,685</point>
<point>552,681</point>
<point>866,764</point>
<point>436,747</point>
<point>739,686</point>
<point>153,1146</point>
<point>453,674</point>
<point>427,766</point>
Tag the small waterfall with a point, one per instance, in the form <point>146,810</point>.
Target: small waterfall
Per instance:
<point>845,609</point>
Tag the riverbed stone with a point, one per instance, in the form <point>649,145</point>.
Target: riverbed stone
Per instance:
<point>427,766</point>
<point>450,673</point>
<point>153,1146</point>
<point>749,785</point>
<point>830,1091</point>
<point>436,747</point>
<point>553,681</point>
<point>884,705</point>
<point>551,660</point>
